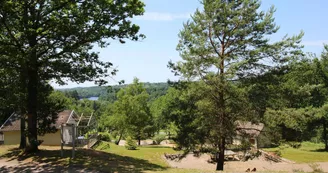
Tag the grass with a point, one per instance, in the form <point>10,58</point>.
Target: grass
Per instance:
<point>106,157</point>
<point>153,154</point>
<point>307,153</point>
<point>5,148</point>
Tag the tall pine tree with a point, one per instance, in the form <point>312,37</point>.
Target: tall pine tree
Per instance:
<point>225,41</point>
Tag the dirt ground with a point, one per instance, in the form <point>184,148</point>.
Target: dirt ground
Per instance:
<point>149,142</point>
<point>14,164</point>
<point>192,162</point>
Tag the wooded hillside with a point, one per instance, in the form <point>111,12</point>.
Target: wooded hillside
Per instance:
<point>108,93</point>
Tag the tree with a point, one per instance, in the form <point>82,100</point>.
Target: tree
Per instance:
<point>222,43</point>
<point>130,114</point>
<point>52,40</point>
<point>13,96</point>
<point>304,94</point>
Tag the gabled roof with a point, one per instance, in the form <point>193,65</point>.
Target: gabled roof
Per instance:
<point>249,128</point>
<point>13,122</point>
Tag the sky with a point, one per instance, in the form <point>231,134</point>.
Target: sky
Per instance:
<point>163,19</point>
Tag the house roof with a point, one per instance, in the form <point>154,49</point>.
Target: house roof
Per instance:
<point>249,128</point>
<point>13,122</point>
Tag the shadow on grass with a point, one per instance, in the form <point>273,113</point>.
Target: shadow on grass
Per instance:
<point>322,150</point>
<point>85,161</point>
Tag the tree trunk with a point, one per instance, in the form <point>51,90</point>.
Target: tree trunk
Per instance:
<point>22,89</point>
<point>32,111</point>
<point>220,161</point>
<point>139,140</point>
<point>32,96</point>
<point>22,144</point>
<point>324,123</point>
<point>119,139</point>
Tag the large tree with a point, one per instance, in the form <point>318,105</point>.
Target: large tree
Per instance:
<point>223,42</point>
<point>303,92</point>
<point>53,40</point>
<point>130,113</point>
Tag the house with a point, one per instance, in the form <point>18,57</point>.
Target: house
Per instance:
<point>11,129</point>
<point>247,131</point>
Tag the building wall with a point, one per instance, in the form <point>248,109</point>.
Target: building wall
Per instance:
<point>13,138</point>
<point>51,138</point>
<point>237,140</point>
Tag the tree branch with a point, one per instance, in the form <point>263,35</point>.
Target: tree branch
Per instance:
<point>211,41</point>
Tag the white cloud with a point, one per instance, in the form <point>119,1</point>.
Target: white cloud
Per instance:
<point>315,43</point>
<point>155,16</point>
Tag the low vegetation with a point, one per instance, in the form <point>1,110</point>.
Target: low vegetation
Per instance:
<point>307,153</point>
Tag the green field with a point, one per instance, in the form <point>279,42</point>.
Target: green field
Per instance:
<point>307,153</point>
<point>152,154</point>
<point>111,157</point>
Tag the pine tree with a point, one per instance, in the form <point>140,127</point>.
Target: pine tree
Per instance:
<point>226,41</point>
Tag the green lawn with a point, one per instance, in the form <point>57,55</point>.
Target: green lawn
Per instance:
<point>106,157</point>
<point>307,153</point>
<point>152,154</point>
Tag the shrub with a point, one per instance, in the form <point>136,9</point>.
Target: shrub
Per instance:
<point>295,144</point>
<point>105,136</point>
<point>130,144</point>
<point>159,138</point>
<point>316,168</point>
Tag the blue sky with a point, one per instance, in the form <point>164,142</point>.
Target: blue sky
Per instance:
<point>163,20</point>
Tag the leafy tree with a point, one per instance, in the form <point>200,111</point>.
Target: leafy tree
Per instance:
<point>52,40</point>
<point>224,42</point>
<point>130,114</point>
<point>12,96</point>
<point>130,144</point>
<point>73,94</point>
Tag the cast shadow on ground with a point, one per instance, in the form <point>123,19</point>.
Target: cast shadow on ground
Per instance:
<point>85,161</point>
<point>322,150</point>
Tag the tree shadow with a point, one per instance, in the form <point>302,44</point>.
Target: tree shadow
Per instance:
<point>85,161</point>
<point>322,150</point>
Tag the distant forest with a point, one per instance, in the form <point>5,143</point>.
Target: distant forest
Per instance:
<point>108,93</point>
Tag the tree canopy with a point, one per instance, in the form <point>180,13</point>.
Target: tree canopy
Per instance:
<point>53,40</point>
<point>224,42</point>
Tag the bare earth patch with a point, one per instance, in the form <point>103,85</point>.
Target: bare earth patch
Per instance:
<point>192,162</point>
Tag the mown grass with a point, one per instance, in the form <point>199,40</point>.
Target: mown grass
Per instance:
<point>153,154</point>
<point>105,157</point>
<point>307,153</point>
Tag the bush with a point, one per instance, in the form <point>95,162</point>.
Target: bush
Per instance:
<point>159,138</point>
<point>295,144</point>
<point>105,137</point>
<point>316,168</point>
<point>130,144</point>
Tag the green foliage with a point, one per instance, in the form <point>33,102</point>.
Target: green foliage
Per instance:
<point>307,153</point>
<point>130,144</point>
<point>130,114</point>
<point>108,93</point>
<point>227,41</point>
<point>159,138</point>
<point>301,95</point>
<point>53,40</point>
<point>105,136</point>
